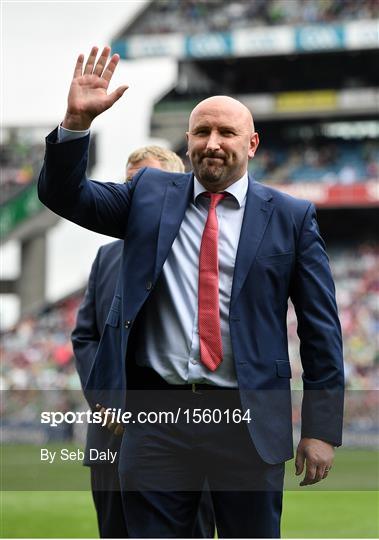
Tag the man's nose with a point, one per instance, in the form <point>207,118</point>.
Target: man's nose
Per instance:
<point>213,142</point>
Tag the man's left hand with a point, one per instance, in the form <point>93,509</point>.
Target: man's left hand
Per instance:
<point>114,427</point>
<point>318,458</point>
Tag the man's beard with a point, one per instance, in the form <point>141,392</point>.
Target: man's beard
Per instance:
<point>211,174</point>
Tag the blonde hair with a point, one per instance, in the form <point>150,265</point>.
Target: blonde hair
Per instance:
<point>170,161</point>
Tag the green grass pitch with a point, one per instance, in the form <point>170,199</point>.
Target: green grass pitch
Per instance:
<point>346,507</point>
<point>330,514</point>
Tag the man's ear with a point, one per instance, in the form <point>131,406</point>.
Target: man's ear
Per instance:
<point>187,137</point>
<point>254,142</point>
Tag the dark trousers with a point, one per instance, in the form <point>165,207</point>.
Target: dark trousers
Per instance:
<point>109,508</point>
<point>108,502</point>
<point>163,466</point>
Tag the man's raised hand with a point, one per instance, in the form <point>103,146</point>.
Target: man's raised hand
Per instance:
<point>88,95</point>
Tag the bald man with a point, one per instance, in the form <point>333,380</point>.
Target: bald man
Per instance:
<point>203,367</point>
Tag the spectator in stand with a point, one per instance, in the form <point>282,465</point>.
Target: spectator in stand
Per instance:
<point>328,162</point>
<point>197,16</point>
<point>92,316</point>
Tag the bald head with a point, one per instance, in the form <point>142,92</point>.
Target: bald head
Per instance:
<point>221,140</point>
<point>231,106</point>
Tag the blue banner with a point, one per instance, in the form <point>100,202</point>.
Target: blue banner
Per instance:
<point>320,37</point>
<point>208,45</point>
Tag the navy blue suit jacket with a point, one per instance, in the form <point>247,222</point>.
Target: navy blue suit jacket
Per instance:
<point>90,324</point>
<point>280,255</point>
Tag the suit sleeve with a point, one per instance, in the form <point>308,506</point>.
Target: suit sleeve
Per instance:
<point>86,335</point>
<point>313,296</point>
<point>64,188</point>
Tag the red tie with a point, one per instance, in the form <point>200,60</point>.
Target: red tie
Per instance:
<point>209,310</point>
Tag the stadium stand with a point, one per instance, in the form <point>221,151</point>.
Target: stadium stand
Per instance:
<point>196,16</point>
<point>22,216</point>
<point>37,353</point>
<point>330,163</point>
<point>356,271</point>
<point>22,152</point>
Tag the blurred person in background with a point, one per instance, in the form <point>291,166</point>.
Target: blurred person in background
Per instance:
<point>91,319</point>
<point>203,326</point>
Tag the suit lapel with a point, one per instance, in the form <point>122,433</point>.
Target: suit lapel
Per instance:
<point>177,198</point>
<point>257,214</point>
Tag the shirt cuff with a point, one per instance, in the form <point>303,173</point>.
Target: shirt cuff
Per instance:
<point>65,134</point>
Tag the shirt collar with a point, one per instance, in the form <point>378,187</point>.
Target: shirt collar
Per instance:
<point>237,190</point>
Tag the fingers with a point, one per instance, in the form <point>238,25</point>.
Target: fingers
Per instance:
<point>109,70</point>
<point>314,473</point>
<point>310,474</point>
<point>299,462</point>
<point>111,426</point>
<point>79,66</point>
<point>119,430</point>
<point>116,94</point>
<point>102,61</point>
<point>99,68</point>
<point>318,457</point>
<point>114,427</point>
<point>91,61</point>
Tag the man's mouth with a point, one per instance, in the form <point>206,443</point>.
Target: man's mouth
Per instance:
<point>214,158</point>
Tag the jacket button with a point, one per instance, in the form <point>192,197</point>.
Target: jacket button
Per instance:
<point>149,285</point>
<point>127,324</point>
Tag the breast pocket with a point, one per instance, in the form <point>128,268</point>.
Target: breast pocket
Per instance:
<point>113,318</point>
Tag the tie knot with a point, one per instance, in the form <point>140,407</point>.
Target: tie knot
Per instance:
<point>215,198</point>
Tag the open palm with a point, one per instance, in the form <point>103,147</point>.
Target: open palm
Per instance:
<point>88,96</point>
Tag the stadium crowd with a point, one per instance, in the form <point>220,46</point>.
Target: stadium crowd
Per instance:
<point>198,16</point>
<point>328,163</point>
<point>356,274</point>
<point>21,160</point>
<point>37,353</point>
<point>22,150</point>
